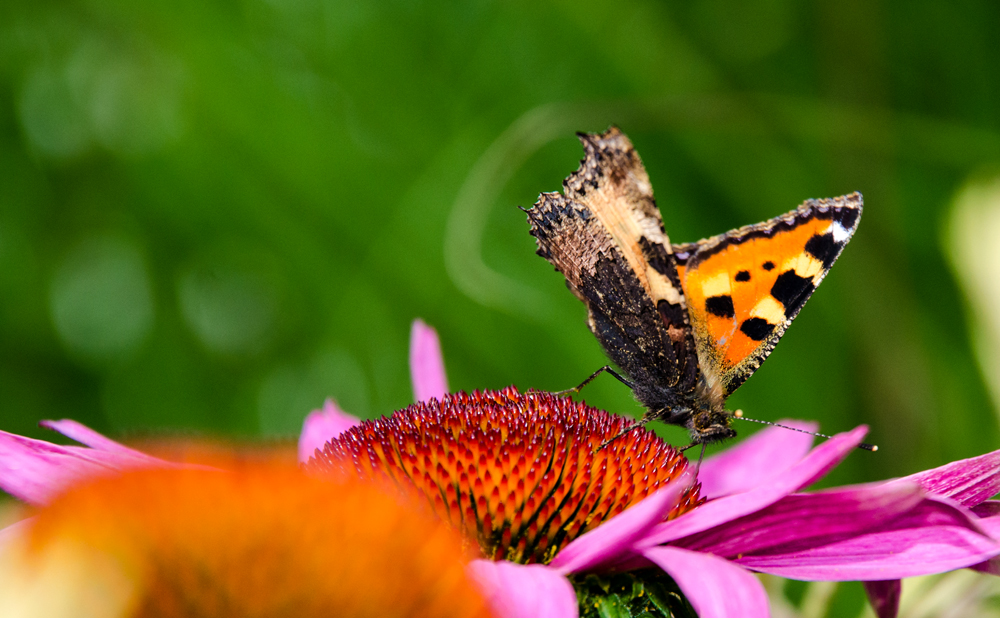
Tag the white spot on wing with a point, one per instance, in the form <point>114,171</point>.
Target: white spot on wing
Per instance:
<point>840,233</point>
<point>661,288</point>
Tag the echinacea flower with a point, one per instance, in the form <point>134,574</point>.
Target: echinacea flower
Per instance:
<point>521,474</point>
<point>254,540</point>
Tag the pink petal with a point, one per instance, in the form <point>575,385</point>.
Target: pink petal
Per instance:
<point>321,426</point>
<point>755,461</point>
<point>426,363</point>
<point>715,587</point>
<point>34,470</point>
<point>607,543</point>
<point>934,537</point>
<point>990,567</point>
<point>524,590</point>
<point>968,482</point>
<point>991,526</point>
<point>884,597</point>
<point>989,508</point>
<point>88,437</point>
<point>715,512</point>
<point>808,518</point>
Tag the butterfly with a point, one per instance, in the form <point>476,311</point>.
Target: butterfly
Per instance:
<point>687,323</point>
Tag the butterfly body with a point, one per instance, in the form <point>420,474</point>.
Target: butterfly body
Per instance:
<point>686,323</point>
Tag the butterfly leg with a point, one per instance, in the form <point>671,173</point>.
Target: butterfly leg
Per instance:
<point>628,429</point>
<point>591,378</point>
<point>701,457</point>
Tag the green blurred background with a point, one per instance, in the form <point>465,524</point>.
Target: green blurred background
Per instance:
<point>213,215</point>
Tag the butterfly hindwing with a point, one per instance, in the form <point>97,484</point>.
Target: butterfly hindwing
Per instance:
<point>743,288</point>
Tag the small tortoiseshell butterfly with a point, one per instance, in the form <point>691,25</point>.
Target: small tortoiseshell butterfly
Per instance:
<point>686,323</point>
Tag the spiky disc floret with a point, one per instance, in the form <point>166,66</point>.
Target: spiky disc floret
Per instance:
<point>520,473</point>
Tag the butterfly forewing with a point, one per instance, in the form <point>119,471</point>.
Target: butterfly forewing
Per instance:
<point>745,287</point>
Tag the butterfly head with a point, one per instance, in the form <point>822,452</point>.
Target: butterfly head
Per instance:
<point>710,425</point>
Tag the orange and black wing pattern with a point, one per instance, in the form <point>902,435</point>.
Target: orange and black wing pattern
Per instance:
<point>743,288</point>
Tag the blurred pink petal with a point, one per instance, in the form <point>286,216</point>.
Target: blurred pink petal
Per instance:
<point>426,363</point>
<point>715,587</point>
<point>321,426</point>
<point>715,512</point>
<point>608,542</point>
<point>969,481</point>
<point>35,470</point>
<point>884,597</point>
<point>524,590</point>
<point>934,537</point>
<point>88,437</point>
<point>755,461</point>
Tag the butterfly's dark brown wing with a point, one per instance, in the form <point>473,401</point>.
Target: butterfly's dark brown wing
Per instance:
<point>605,235</point>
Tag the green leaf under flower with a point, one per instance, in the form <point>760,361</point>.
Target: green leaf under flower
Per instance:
<point>648,593</point>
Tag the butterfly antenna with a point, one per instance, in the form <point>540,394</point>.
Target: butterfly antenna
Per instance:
<point>739,414</point>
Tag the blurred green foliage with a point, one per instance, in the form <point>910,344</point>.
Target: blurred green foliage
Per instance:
<point>213,215</point>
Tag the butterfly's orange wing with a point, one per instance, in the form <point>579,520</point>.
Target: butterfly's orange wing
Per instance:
<point>743,288</point>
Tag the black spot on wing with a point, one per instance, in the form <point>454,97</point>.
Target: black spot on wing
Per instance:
<point>769,265</point>
<point>756,328</point>
<point>848,217</point>
<point>721,306</point>
<point>661,261</point>
<point>743,275</point>
<point>824,248</point>
<point>792,291</point>
<point>673,315</point>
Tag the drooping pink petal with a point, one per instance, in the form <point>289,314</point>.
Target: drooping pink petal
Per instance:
<point>524,590</point>
<point>88,437</point>
<point>426,363</point>
<point>968,481</point>
<point>607,543</point>
<point>715,512</point>
<point>808,518</point>
<point>715,587</point>
<point>34,470</point>
<point>321,426</point>
<point>756,460</point>
<point>884,597</point>
<point>934,537</point>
